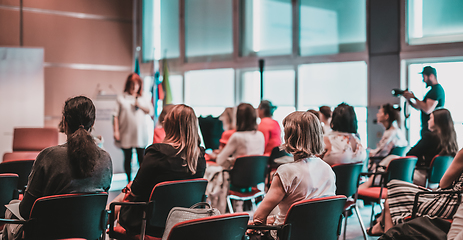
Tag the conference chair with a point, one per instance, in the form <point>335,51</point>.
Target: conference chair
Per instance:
<point>28,142</point>
<point>317,218</point>
<point>397,151</point>
<point>224,227</point>
<point>437,168</point>
<point>22,167</point>
<point>346,184</point>
<point>246,174</point>
<point>272,165</point>
<point>8,190</point>
<point>75,215</point>
<point>401,168</point>
<point>164,196</point>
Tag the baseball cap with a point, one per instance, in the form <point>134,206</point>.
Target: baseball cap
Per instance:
<point>428,70</point>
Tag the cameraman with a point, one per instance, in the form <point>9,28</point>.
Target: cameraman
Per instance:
<point>435,98</point>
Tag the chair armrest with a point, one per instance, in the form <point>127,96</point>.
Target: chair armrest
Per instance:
<point>112,216</point>
<point>418,194</point>
<point>372,173</point>
<point>12,221</point>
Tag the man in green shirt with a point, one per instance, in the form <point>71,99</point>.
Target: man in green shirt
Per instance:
<point>435,98</point>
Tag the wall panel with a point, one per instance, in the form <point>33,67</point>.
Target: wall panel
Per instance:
<point>9,28</point>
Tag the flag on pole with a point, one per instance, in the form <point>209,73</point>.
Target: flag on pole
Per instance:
<point>165,83</point>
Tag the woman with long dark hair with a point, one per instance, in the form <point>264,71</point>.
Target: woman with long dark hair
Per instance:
<point>79,165</point>
<point>130,123</point>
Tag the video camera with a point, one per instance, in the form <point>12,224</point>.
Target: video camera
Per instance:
<point>398,92</point>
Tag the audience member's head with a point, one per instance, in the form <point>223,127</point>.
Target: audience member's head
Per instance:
<point>266,109</point>
<point>344,119</point>
<point>441,122</point>
<point>246,117</point>
<point>181,126</point>
<point>228,118</point>
<point>134,84</point>
<point>325,114</point>
<point>78,118</point>
<point>165,109</point>
<point>303,135</point>
<point>387,114</point>
<point>314,112</point>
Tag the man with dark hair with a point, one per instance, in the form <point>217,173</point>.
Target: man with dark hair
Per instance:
<point>435,98</point>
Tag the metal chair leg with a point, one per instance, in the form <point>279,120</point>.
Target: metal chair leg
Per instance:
<point>345,223</point>
<point>230,207</point>
<point>362,226</point>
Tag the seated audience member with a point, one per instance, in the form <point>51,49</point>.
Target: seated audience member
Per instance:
<point>178,157</point>
<point>305,178</point>
<point>314,112</point>
<point>245,141</point>
<point>343,145</point>
<point>442,140</point>
<point>401,196</point>
<point>228,122</point>
<point>325,118</point>
<point>393,137</point>
<point>269,127</point>
<point>159,132</point>
<point>76,166</point>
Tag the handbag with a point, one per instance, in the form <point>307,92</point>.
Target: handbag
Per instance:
<point>181,214</point>
<point>423,228</point>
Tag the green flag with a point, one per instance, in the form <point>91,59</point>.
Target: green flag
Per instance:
<point>165,83</point>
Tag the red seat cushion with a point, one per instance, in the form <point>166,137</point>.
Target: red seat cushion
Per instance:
<point>372,192</point>
<point>253,192</point>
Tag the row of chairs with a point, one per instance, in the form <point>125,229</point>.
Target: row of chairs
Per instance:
<point>52,217</point>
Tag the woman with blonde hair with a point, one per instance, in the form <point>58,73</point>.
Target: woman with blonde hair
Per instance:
<point>178,157</point>
<point>305,178</point>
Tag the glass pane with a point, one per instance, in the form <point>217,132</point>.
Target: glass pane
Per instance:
<point>332,83</point>
<point>446,75</point>
<point>267,27</point>
<point>210,91</point>
<point>332,26</point>
<point>431,21</point>
<point>278,87</point>
<point>208,28</point>
<point>176,87</point>
<point>160,29</point>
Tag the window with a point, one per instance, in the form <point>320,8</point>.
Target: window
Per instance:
<point>448,76</point>
<point>279,88</point>
<point>333,83</point>
<point>267,27</point>
<point>160,29</point>
<point>208,28</point>
<point>332,26</point>
<point>209,92</point>
<point>431,21</point>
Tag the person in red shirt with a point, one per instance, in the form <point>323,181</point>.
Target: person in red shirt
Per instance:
<point>269,127</point>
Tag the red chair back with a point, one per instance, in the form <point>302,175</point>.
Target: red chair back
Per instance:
<point>68,216</point>
<point>21,167</point>
<point>223,227</point>
<point>8,183</point>
<point>34,139</point>
<point>166,195</point>
<point>317,218</point>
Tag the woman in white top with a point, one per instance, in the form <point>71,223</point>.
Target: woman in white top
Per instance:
<point>305,178</point>
<point>389,117</point>
<point>130,125</point>
<point>246,140</point>
<point>343,145</point>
